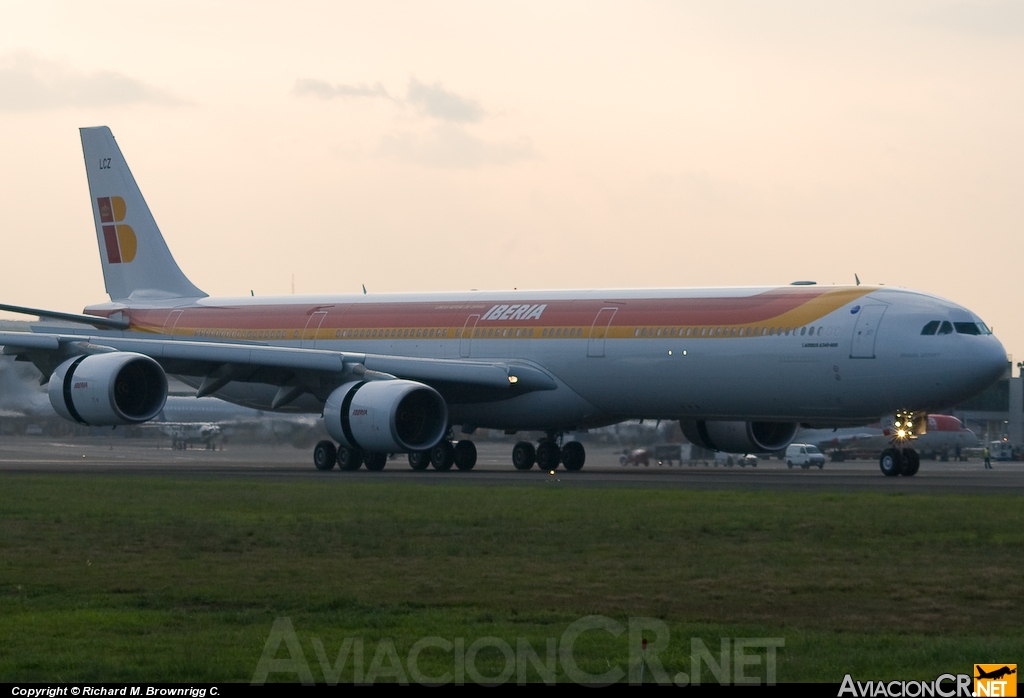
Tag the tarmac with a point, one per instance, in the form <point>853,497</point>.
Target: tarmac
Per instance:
<point>154,457</point>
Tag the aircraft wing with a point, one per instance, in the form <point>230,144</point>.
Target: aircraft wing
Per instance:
<point>219,363</point>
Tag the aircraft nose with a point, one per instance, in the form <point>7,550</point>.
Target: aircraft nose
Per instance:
<point>987,363</point>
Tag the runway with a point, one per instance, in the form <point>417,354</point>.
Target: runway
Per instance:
<point>148,457</point>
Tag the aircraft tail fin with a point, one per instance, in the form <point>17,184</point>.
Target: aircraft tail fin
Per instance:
<point>136,261</point>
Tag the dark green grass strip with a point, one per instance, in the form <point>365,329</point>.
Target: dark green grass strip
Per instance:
<point>180,579</point>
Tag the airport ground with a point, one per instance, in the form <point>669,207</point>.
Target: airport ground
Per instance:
<point>238,459</point>
<point>122,560</point>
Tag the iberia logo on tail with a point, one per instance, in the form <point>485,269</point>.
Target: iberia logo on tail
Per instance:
<point>119,238</point>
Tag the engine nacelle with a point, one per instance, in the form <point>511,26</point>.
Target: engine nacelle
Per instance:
<point>386,416</point>
<point>108,389</point>
<point>739,437</point>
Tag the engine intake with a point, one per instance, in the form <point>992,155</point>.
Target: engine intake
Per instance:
<point>739,437</point>
<point>108,389</point>
<point>386,416</point>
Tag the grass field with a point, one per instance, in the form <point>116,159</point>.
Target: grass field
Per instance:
<point>135,578</point>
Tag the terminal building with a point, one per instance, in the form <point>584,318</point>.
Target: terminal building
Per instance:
<point>998,413</point>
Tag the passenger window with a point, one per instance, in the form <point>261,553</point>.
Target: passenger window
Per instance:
<point>931,327</point>
<point>945,327</point>
<point>966,328</point>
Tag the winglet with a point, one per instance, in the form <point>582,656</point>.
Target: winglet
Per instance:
<point>136,261</point>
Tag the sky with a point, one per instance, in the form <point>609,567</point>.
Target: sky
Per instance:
<point>414,146</point>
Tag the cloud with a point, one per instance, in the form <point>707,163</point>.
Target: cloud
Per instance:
<point>430,100</point>
<point>450,146</point>
<point>434,100</point>
<point>447,143</point>
<point>325,90</point>
<point>987,18</point>
<point>29,83</point>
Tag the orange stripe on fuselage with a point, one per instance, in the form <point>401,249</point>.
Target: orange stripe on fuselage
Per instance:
<point>780,308</point>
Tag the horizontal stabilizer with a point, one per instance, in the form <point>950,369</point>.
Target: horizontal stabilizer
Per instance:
<point>98,322</point>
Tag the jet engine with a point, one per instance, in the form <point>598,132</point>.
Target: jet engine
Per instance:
<point>108,389</point>
<point>739,437</point>
<point>386,416</point>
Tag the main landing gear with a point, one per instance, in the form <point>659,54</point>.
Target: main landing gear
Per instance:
<point>443,456</point>
<point>899,461</point>
<point>547,455</point>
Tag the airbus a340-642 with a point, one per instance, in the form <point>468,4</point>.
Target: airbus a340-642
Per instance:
<point>741,368</point>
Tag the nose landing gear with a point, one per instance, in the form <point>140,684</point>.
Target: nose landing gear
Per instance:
<point>899,461</point>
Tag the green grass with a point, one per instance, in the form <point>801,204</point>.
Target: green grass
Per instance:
<point>180,579</point>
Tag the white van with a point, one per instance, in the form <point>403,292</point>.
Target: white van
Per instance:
<point>804,455</point>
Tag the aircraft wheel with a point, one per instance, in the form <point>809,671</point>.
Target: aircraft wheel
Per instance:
<point>524,455</point>
<point>548,455</point>
<point>911,462</point>
<point>349,458</point>
<point>891,462</point>
<point>375,462</point>
<point>419,460</point>
<point>465,455</point>
<point>442,456</point>
<point>324,455</point>
<point>573,455</point>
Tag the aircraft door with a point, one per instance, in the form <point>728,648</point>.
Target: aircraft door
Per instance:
<point>599,331</point>
<point>466,339</point>
<point>312,326</point>
<point>171,322</point>
<point>865,330</point>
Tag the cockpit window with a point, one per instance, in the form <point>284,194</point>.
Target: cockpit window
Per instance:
<point>930,327</point>
<point>946,327</point>
<point>966,328</point>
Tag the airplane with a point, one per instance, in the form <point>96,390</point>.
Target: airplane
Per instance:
<point>942,435</point>
<point>740,368</point>
<point>996,673</point>
<point>188,419</point>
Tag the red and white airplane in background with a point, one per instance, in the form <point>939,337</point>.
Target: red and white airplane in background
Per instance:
<point>741,368</point>
<point>944,434</point>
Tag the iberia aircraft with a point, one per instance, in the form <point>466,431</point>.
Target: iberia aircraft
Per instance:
<point>741,368</point>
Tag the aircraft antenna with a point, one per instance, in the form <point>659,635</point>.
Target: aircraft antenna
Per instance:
<point>857,279</point>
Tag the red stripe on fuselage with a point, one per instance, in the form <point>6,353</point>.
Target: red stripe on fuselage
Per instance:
<point>757,308</point>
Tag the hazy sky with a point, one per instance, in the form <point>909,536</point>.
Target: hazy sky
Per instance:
<point>457,145</point>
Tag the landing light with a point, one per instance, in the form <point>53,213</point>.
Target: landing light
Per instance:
<point>513,379</point>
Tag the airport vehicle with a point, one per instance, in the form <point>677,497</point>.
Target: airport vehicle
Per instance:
<point>944,433</point>
<point>804,455</point>
<point>638,456</point>
<point>1000,450</point>
<point>184,435</point>
<point>740,368</point>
